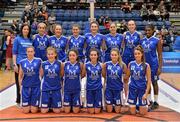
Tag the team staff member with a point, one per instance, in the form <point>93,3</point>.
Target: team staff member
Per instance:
<point>21,42</point>
<point>59,42</point>
<point>40,42</point>
<point>112,40</point>
<point>114,70</point>
<point>140,81</point>
<point>72,82</point>
<point>153,55</point>
<point>51,83</point>
<point>29,78</point>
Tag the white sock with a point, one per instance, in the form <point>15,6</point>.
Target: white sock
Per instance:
<point>155,98</point>
<point>149,97</point>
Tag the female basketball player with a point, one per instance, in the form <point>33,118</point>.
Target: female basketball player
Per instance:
<point>114,70</point>
<point>59,42</point>
<point>20,44</point>
<point>40,42</point>
<point>153,55</point>
<point>72,77</point>
<point>131,40</point>
<point>77,41</point>
<point>29,78</point>
<point>51,86</point>
<point>94,39</point>
<point>93,71</point>
<point>112,40</point>
<point>140,77</point>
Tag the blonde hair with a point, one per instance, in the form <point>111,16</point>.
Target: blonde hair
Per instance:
<point>121,63</point>
<point>52,49</point>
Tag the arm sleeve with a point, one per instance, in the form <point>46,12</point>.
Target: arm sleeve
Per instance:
<point>15,46</point>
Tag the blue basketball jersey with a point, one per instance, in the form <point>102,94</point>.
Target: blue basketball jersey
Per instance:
<point>40,44</point>
<point>60,45</point>
<point>93,73</point>
<point>77,43</point>
<point>51,78</point>
<point>31,72</point>
<point>131,41</point>
<point>72,73</point>
<point>138,75</point>
<point>114,74</point>
<point>112,42</point>
<point>93,42</point>
<point>150,50</point>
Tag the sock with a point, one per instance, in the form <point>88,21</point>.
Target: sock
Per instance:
<point>149,97</point>
<point>156,98</point>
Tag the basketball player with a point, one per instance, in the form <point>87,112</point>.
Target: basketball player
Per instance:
<point>51,83</point>
<point>140,81</point>
<point>112,40</point>
<point>59,42</point>
<point>40,42</point>
<point>94,40</point>
<point>114,70</point>
<point>29,78</point>
<point>131,40</point>
<point>93,71</point>
<point>77,42</point>
<point>153,55</point>
<point>72,77</point>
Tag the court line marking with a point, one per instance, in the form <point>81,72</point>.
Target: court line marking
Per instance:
<point>7,87</point>
<point>174,87</point>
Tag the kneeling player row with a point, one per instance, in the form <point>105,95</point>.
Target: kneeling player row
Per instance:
<point>51,74</point>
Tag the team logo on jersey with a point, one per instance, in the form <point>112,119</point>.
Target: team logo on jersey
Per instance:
<point>113,43</point>
<point>130,43</point>
<point>136,75</point>
<point>58,47</point>
<point>93,43</point>
<point>42,45</point>
<point>146,46</point>
<point>30,71</point>
<point>51,73</point>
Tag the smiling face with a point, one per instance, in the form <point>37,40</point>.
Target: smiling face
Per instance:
<point>30,52</point>
<point>41,28</point>
<point>94,28</point>
<point>25,31</point>
<point>114,56</point>
<point>51,55</point>
<point>73,56</point>
<point>149,31</point>
<point>138,55</point>
<point>113,28</point>
<point>131,26</point>
<point>75,31</point>
<point>58,30</point>
<point>93,56</point>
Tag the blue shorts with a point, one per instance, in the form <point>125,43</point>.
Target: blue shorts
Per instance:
<point>136,94</point>
<point>94,98</point>
<point>127,60</point>
<point>72,98</point>
<point>30,96</point>
<point>113,97</point>
<point>51,99</point>
<point>154,76</point>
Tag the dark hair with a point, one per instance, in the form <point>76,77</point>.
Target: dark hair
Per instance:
<point>75,51</point>
<point>23,25</point>
<point>150,25</point>
<point>76,25</point>
<point>140,48</point>
<point>30,47</point>
<point>94,22</point>
<point>96,50</point>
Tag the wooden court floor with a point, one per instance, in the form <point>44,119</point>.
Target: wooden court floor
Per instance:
<point>161,114</point>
